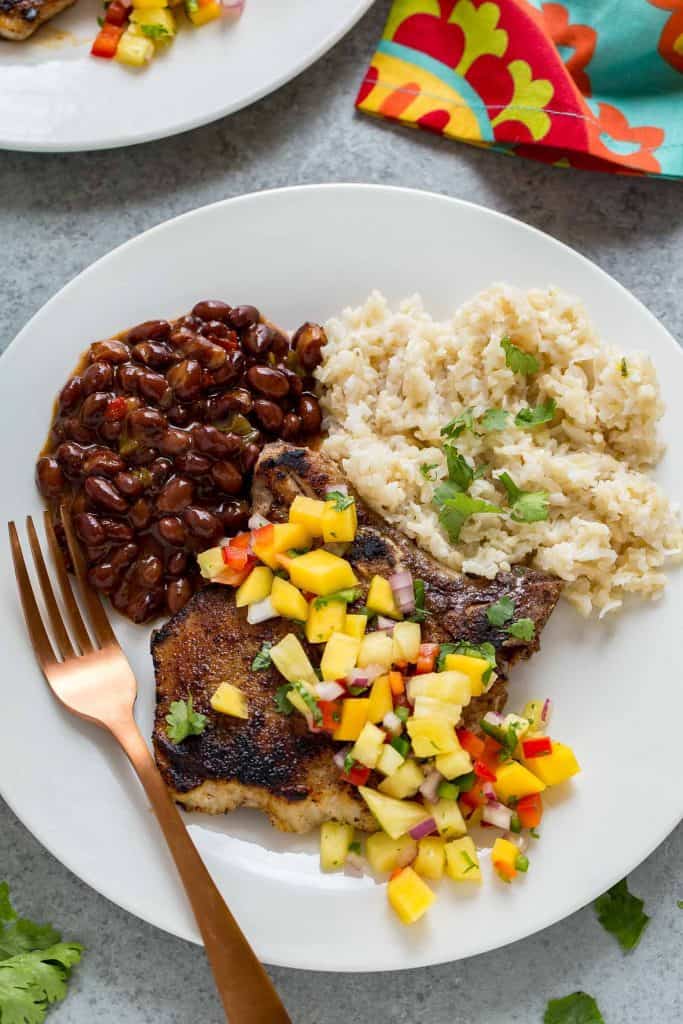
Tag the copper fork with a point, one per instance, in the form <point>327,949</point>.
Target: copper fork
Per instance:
<point>92,678</point>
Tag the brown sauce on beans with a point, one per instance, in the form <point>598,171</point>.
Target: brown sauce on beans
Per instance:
<point>154,440</point>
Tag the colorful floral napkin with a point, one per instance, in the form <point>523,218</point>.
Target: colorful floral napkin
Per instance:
<point>595,84</point>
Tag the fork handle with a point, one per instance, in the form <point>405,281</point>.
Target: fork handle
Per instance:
<point>246,991</point>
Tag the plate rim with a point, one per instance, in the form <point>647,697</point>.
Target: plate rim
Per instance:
<point>303,963</point>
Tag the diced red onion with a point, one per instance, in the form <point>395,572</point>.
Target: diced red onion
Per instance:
<point>393,723</point>
<point>260,611</point>
<point>406,856</point>
<point>494,718</point>
<point>340,488</point>
<point>498,815</point>
<point>425,828</point>
<point>403,591</point>
<point>362,677</point>
<point>256,521</point>
<point>340,756</point>
<point>355,865</point>
<point>384,624</point>
<point>430,785</point>
<point>232,8</point>
<point>546,710</point>
<point>329,691</point>
<point>489,792</point>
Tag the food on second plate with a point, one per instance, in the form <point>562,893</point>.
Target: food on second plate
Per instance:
<point>510,434</point>
<point>19,19</point>
<point>134,31</point>
<point>155,437</point>
<point>329,637</point>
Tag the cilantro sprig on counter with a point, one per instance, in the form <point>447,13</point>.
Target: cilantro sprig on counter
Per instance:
<point>621,914</point>
<point>183,721</point>
<point>577,1008</point>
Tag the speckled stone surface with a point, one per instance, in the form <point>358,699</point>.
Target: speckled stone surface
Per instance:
<point>57,215</point>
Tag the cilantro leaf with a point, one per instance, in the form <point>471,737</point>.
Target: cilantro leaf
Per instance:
<point>420,613</point>
<point>501,611</point>
<point>494,419</point>
<point>349,762</point>
<point>624,367</point>
<point>460,473</point>
<point>526,506</point>
<point>522,629</point>
<point>155,31</point>
<point>455,427</point>
<point>468,861</point>
<point>456,510</point>
<point>517,360</point>
<point>621,914</point>
<point>184,721</point>
<point>577,1008</point>
<point>282,701</point>
<point>309,700</point>
<point>262,660</point>
<point>485,651</point>
<point>532,417</point>
<point>355,847</point>
<point>344,596</point>
<point>426,470</point>
<point>340,500</point>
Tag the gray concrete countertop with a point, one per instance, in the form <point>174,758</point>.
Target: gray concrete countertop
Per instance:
<point>59,213</point>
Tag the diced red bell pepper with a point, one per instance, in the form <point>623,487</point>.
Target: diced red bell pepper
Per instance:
<point>116,409</point>
<point>489,755</point>
<point>396,683</point>
<point>241,540</point>
<point>469,742</point>
<point>482,771</point>
<point>106,43</point>
<point>117,12</point>
<point>537,746</point>
<point>473,798</point>
<point>357,776</point>
<point>530,810</point>
<point>331,712</point>
<point>264,535</point>
<point>426,658</point>
<point>232,577</point>
<point>237,558</point>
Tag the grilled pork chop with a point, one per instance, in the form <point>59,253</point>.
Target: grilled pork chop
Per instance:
<point>19,19</point>
<point>271,761</point>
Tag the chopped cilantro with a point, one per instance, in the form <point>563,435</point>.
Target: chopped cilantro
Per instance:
<point>297,552</point>
<point>155,31</point>
<point>183,721</point>
<point>577,1008</point>
<point>420,613</point>
<point>426,469</point>
<point>343,596</point>
<point>282,701</point>
<point>624,367</point>
<point>532,417</point>
<point>515,823</point>
<point>522,862</point>
<point>355,847</point>
<point>349,763</point>
<point>621,914</point>
<point>501,611</point>
<point>486,651</point>
<point>402,713</point>
<point>340,500</point>
<point>534,833</point>
<point>517,360</point>
<point>455,427</point>
<point>100,22</point>
<point>262,660</point>
<point>468,861</point>
<point>522,629</point>
<point>465,782</point>
<point>455,511</point>
<point>527,506</point>
<point>494,419</point>
<point>460,473</point>
<point>480,470</point>
<point>401,744</point>
<point>309,700</point>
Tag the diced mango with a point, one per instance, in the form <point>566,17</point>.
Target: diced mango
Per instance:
<point>405,781</point>
<point>381,701</point>
<point>368,746</point>
<point>308,512</point>
<point>229,700</point>
<point>432,736</point>
<point>288,601</point>
<point>430,707</point>
<point>257,585</point>
<point>323,622</point>
<point>389,760</point>
<point>449,819</point>
<point>409,896</point>
<point>339,656</point>
<point>291,660</point>
<point>203,15</point>
<point>381,598</point>
<point>450,686</point>
<point>514,780</point>
<point>462,862</point>
<point>453,765</point>
<point>210,562</point>
<point>144,5</point>
<point>159,18</point>
<point>283,537</point>
<point>383,852</point>
<point>355,625</point>
<point>504,857</point>
<point>339,527</point>
<point>354,715</point>
<point>554,768</point>
<point>321,572</point>
<point>396,817</point>
<point>431,857</point>
<point>335,840</point>
<point>472,667</point>
<point>375,649</point>
<point>406,640</point>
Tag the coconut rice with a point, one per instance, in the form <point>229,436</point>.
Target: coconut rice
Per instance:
<point>390,380</point>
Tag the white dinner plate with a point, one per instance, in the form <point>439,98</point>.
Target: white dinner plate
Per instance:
<point>55,97</point>
<point>304,254</point>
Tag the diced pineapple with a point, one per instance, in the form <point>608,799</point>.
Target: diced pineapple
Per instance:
<point>381,701</point>
<point>355,625</point>
<point>297,701</point>
<point>453,765</point>
<point>396,817</point>
<point>448,818</point>
<point>381,598</point>
<point>462,862</point>
<point>339,527</point>
<point>474,668</point>
<point>504,858</point>
<point>406,641</point>
<point>514,780</point>
<point>431,857</point>
<point>291,660</point>
<point>449,686</point>
<point>136,51</point>
<point>202,14</point>
<point>354,715</point>
<point>368,746</point>
<point>159,18</point>
<point>321,572</point>
<point>533,711</point>
<point>335,840</point>
<point>389,760</point>
<point>308,512</point>
<point>430,707</point>
<point>256,587</point>
<point>288,601</point>
<point>404,782</point>
<point>556,767</point>
<point>516,722</point>
<point>283,537</point>
<point>409,896</point>
<point>323,622</point>
<point>210,561</point>
<point>375,649</point>
<point>383,852</point>
<point>339,656</point>
<point>432,736</point>
<point>228,700</point>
